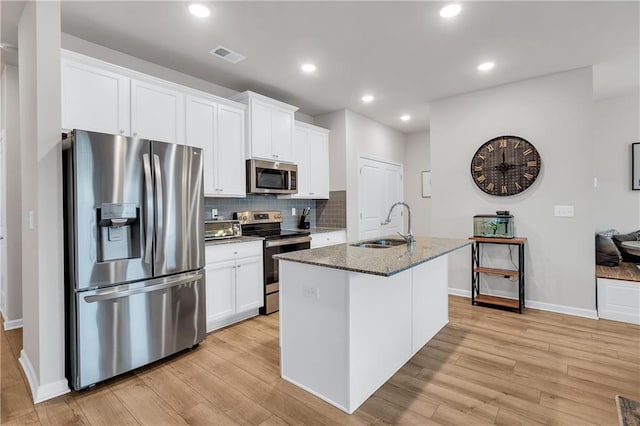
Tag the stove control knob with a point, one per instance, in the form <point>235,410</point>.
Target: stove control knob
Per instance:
<point>244,218</point>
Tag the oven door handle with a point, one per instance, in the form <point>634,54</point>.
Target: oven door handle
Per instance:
<point>286,242</point>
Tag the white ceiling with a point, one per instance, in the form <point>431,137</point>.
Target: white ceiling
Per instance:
<point>404,53</point>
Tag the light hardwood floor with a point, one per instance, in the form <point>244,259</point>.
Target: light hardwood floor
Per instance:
<point>485,367</point>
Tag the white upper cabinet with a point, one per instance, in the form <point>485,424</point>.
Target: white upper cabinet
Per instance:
<point>231,163</point>
<point>219,130</point>
<point>269,127</point>
<point>311,154</point>
<point>94,98</point>
<point>201,119</point>
<point>157,112</point>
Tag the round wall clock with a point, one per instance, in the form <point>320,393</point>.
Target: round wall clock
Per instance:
<point>506,165</point>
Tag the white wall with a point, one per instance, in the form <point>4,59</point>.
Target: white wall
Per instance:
<point>369,138</point>
<point>12,298</point>
<point>417,158</point>
<point>353,135</point>
<point>42,356</point>
<point>616,127</point>
<point>554,113</point>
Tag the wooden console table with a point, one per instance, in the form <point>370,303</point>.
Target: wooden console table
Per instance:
<point>477,270</point>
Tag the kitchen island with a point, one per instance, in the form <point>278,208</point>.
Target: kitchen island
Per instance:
<point>351,316</point>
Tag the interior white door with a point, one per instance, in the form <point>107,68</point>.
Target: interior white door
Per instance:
<point>379,186</point>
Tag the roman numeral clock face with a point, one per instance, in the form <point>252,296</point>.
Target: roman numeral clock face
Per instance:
<point>506,165</point>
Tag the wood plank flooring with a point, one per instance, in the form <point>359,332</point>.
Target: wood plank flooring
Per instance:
<point>485,367</point>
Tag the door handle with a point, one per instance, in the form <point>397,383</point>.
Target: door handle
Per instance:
<point>286,242</point>
<point>148,208</point>
<point>153,285</point>
<point>159,206</point>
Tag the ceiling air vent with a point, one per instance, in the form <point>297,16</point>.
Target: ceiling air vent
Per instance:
<point>227,54</point>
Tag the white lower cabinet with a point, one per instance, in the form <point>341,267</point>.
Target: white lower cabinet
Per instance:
<point>324,239</point>
<point>234,289</point>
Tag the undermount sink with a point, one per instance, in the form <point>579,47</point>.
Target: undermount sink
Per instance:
<point>382,243</point>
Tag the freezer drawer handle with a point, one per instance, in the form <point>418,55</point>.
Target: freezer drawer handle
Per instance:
<point>148,208</point>
<point>154,285</point>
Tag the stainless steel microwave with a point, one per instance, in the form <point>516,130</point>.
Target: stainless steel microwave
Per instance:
<point>270,177</point>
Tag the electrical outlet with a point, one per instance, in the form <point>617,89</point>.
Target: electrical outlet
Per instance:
<point>312,292</point>
<point>214,213</point>
<point>293,211</point>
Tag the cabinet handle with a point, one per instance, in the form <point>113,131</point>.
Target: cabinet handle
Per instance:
<point>312,193</point>
<point>121,131</point>
<point>135,133</point>
<point>234,266</point>
<point>235,252</point>
<point>276,156</point>
<point>239,266</point>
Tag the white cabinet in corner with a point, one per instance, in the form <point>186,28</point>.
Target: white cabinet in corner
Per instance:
<point>311,154</point>
<point>93,97</point>
<point>234,282</point>
<point>219,130</point>
<point>157,112</point>
<point>331,238</point>
<point>269,127</point>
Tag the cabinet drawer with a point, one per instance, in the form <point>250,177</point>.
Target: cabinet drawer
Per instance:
<point>328,239</point>
<point>232,251</point>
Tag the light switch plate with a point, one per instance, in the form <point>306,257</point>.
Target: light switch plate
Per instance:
<point>563,211</point>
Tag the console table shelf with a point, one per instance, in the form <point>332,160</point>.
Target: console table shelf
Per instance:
<point>477,270</point>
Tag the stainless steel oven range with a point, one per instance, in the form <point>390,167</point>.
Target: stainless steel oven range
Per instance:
<point>276,241</point>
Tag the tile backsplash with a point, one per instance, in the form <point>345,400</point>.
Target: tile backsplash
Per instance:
<point>227,206</point>
<point>332,213</point>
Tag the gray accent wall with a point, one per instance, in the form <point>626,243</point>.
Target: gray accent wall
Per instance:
<point>555,114</point>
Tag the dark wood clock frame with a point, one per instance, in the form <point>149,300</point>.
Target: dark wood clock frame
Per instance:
<point>505,165</point>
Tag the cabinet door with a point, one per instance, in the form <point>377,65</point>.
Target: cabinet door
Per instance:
<point>301,158</point>
<point>220,291</point>
<point>318,164</point>
<point>282,134</point>
<point>249,284</point>
<point>261,130</point>
<point>201,120</point>
<point>94,99</point>
<point>157,112</point>
<point>230,152</point>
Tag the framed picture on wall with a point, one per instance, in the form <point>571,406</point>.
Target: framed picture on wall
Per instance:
<point>635,166</point>
<point>426,184</point>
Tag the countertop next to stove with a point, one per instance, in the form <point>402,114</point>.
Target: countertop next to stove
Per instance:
<point>376,261</point>
<point>241,239</point>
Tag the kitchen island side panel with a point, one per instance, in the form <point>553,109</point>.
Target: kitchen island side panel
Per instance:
<point>430,300</point>
<point>314,331</point>
<point>380,330</point>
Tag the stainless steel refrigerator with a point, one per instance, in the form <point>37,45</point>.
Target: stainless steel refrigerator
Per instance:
<point>134,251</point>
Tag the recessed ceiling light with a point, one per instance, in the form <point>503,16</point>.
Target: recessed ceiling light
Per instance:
<point>486,66</point>
<point>405,117</point>
<point>450,10</point>
<point>367,98</point>
<point>199,10</point>
<point>308,68</point>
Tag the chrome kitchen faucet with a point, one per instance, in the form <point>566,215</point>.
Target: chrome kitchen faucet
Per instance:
<point>409,235</point>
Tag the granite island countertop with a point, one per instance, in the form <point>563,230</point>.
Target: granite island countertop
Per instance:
<point>376,261</point>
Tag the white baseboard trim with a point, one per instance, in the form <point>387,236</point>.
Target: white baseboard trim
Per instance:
<point>213,325</point>
<point>461,293</point>
<point>562,309</point>
<point>41,393</point>
<point>13,324</point>
<point>542,306</point>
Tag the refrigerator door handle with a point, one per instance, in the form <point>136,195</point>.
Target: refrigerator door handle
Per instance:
<point>153,285</point>
<point>148,208</point>
<point>159,203</point>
